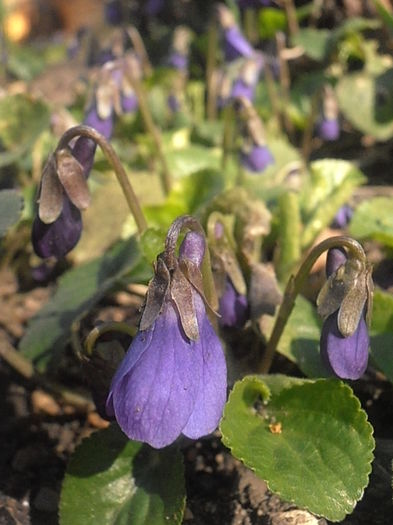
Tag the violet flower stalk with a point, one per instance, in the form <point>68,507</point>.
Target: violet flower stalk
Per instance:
<point>344,355</point>
<point>172,380</point>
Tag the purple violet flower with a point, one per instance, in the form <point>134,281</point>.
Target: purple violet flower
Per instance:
<point>257,158</point>
<point>344,357</point>
<point>168,383</point>
<point>58,238</point>
<point>178,61</point>
<point>103,126</point>
<point>342,217</point>
<point>233,307</point>
<point>236,45</point>
<point>329,129</point>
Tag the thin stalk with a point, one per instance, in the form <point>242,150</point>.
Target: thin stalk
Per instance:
<point>290,10</point>
<point>227,140</point>
<point>272,94</point>
<point>111,326</point>
<point>113,159</point>
<point>294,286</point>
<point>212,38</point>
<point>140,49</point>
<point>285,80</point>
<point>308,131</point>
<point>165,174</point>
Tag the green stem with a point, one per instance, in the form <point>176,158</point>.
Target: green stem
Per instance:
<point>165,174</point>
<point>308,131</point>
<point>113,159</point>
<point>111,326</point>
<point>227,140</point>
<point>285,81</point>
<point>212,38</point>
<point>294,286</point>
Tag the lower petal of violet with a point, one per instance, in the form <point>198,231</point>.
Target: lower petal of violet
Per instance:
<point>233,307</point>
<point>211,396</point>
<point>154,391</point>
<point>59,237</point>
<point>345,357</point>
<point>236,45</point>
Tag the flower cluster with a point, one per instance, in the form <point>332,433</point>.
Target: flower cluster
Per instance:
<point>172,380</point>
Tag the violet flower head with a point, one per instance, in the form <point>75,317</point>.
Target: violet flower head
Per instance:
<point>329,129</point>
<point>103,125</point>
<point>257,158</point>
<point>235,43</point>
<point>343,217</point>
<point>344,355</point>
<point>233,307</point>
<point>58,225</point>
<point>172,380</point>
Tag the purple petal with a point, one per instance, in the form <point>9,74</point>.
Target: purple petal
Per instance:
<point>345,357</point>
<point>193,247</point>
<point>129,103</point>
<point>329,129</point>
<point>342,217</point>
<point>84,150</point>
<point>211,395</point>
<point>336,257</point>
<point>178,61</point>
<point>257,159</point>
<point>243,89</point>
<point>236,45</point>
<point>59,237</point>
<point>153,393</point>
<point>233,307</point>
<point>105,127</point>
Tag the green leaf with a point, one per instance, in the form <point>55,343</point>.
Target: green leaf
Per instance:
<point>111,480</point>
<point>385,12</point>
<point>374,219</point>
<point>22,119</point>
<point>188,196</point>
<point>78,290</point>
<point>314,41</point>
<point>310,441</point>
<point>270,21</point>
<point>366,100</point>
<point>11,204</point>
<point>184,162</point>
<point>331,184</point>
<point>381,333</point>
<point>288,234</point>
<point>152,243</point>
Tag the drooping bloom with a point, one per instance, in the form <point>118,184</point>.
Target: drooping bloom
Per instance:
<point>328,127</point>
<point>58,226</point>
<point>172,380</point>
<point>342,217</point>
<point>346,294</point>
<point>233,307</point>
<point>235,43</point>
<point>256,158</point>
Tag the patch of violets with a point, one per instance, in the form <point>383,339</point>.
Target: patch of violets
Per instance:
<point>170,384</point>
<point>344,357</point>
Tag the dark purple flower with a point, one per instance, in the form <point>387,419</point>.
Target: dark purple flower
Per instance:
<point>257,158</point>
<point>241,88</point>
<point>102,125</point>
<point>173,103</point>
<point>233,307</point>
<point>169,384</point>
<point>153,7</point>
<point>59,237</point>
<point>129,103</point>
<point>345,357</point>
<point>342,217</point>
<point>113,12</point>
<point>178,61</point>
<point>236,45</point>
<point>329,129</point>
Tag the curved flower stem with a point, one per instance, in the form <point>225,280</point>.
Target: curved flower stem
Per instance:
<point>212,38</point>
<point>111,326</point>
<point>165,174</point>
<point>294,286</point>
<point>113,159</point>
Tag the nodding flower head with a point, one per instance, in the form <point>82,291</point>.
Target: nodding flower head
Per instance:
<point>235,43</point>
<point>255,155</point>
<point>172,380</point>
<point>328,127</point>
<point>342,217</point>
<point>64,192</point>
<point>343,303</point>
